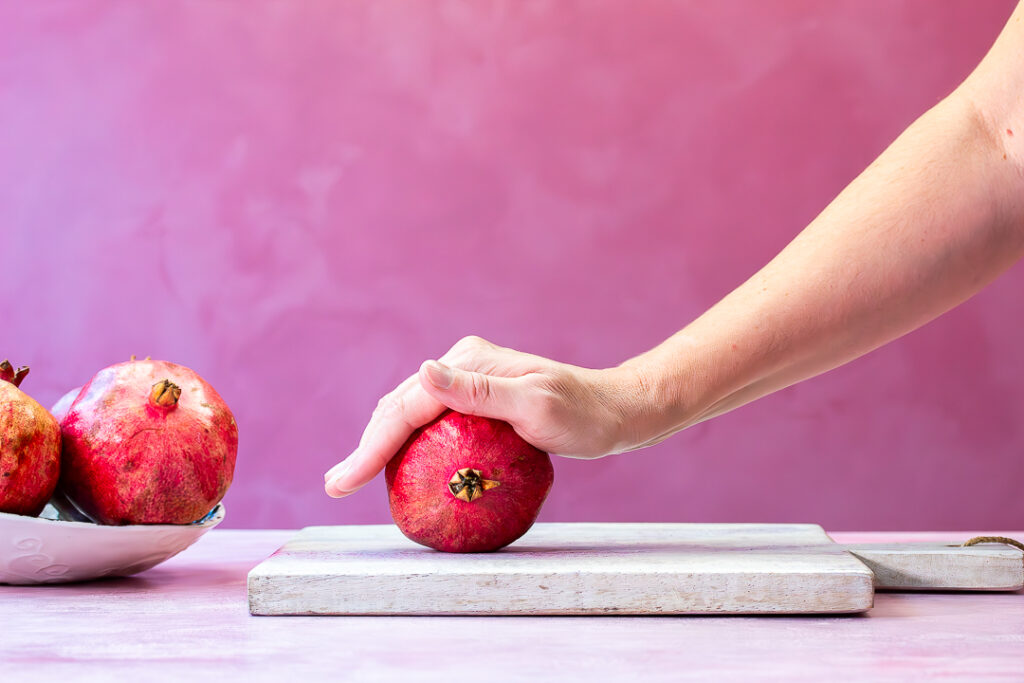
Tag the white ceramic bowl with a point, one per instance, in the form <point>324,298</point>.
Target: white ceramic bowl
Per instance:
<point>38,550</point>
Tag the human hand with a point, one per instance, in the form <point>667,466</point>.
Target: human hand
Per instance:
<point>562,409</point>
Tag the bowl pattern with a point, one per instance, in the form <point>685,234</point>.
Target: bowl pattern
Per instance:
<point>38,551</point>
<point>28,562</point>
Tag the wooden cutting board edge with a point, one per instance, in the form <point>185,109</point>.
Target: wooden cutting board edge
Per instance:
<point>942,566</point>
<point>838,584</point>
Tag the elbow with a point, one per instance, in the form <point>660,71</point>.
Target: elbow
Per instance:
<point>999,131</point>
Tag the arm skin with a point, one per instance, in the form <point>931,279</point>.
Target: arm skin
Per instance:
<point>933,220</point>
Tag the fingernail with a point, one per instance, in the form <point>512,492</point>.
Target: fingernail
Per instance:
<point>439,375</point>
<point>333,492</point>
<point>337,469</point>
<point>334,489</point>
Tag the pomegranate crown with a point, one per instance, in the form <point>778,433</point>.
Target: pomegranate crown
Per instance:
<point>165,394</point>
<point>468,484</point>
<point>9,374</point>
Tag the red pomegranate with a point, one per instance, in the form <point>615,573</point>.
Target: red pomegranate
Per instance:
<point>465,484</point>
<point>147,442</point>
<point>29,447</point>
<point>63,405</point>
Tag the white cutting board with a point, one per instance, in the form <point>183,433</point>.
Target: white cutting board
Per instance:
<point>615,569</point>
<point>568,569</point>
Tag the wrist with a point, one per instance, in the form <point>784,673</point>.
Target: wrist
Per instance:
<point>660,394</point>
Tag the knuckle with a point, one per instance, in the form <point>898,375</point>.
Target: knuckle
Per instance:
<point>389,405</point>
<point>470,343</point>
<point>478,392</point>
<point>468,352</point>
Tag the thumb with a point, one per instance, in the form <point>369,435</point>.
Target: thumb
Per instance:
<point>472,393</point>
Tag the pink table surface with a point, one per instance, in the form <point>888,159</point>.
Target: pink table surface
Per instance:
<point>187,620</point>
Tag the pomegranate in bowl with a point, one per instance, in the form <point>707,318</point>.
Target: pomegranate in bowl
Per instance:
<point>147,442</point>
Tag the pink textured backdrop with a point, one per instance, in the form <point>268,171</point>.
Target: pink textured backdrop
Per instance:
<point>304,200</point>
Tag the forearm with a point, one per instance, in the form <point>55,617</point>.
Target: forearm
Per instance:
<point>937,216</point>
<point>927,225</point>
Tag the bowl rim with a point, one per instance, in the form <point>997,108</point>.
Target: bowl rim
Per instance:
<point>210,519</point>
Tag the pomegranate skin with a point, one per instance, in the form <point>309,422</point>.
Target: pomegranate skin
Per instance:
<point>136,451</point>
<point>29,453</point>
<point>63,405</point>
<point>427,511</point>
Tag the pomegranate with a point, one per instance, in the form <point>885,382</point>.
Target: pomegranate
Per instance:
<point>63,405</point>
<point>29,447</point>
<point>466,484</point>
<point>147,442</point>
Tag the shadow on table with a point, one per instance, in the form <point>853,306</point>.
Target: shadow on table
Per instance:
<point>157,579</point>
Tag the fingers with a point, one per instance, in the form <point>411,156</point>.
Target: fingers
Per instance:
<point>420,399</point>
<point>397,416</point>
<point>474,393</point>
<point>374,422</point>
<point>479,355</point>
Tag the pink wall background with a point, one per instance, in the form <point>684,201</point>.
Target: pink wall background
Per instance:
<point>304,200</point>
